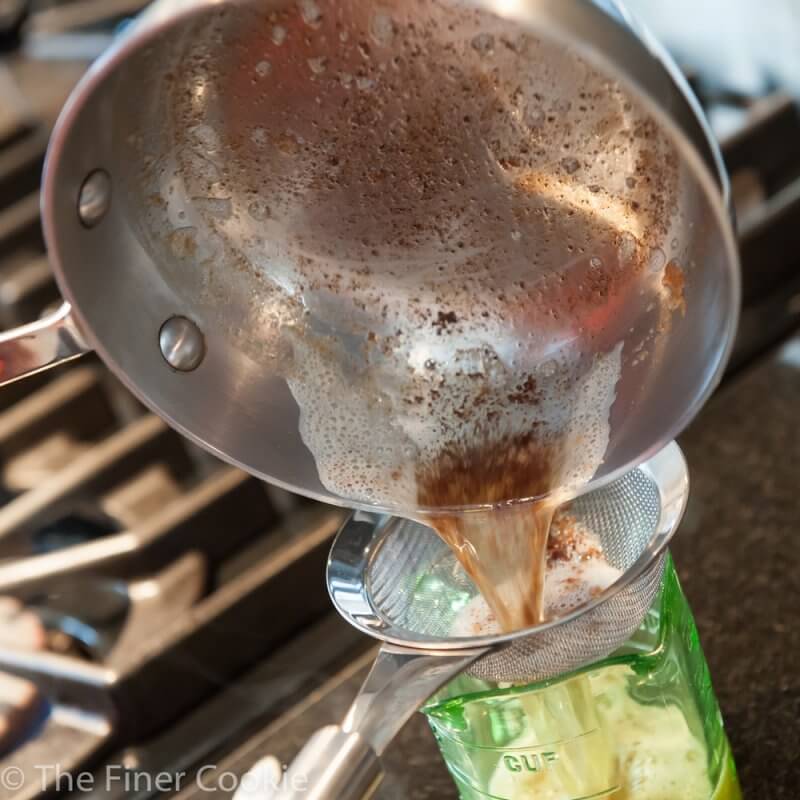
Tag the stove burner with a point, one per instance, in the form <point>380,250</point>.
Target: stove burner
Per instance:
<point>20,627</point>
<point>69,531</point>
<point>22,710</point>
<point>22,706</point>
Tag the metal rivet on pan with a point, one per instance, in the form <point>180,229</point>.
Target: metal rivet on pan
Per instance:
<point>95,198</point>
<point>182,344</point>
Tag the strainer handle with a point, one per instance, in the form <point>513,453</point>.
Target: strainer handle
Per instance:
<point>333,765</point>
<point>341,762</point>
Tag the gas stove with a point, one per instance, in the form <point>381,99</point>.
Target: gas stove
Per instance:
<point>163,615</point>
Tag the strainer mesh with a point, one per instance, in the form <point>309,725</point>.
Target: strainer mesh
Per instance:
<point>418,587</point>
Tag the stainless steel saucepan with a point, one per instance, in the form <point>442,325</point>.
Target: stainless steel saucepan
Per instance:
<point>278,222</point>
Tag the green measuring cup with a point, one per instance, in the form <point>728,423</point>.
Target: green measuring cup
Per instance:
<point>643,724</point>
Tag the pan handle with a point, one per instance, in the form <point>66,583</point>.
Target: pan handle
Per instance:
<point>45,343</point>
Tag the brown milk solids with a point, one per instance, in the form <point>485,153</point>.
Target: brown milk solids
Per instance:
<point>503,547</point>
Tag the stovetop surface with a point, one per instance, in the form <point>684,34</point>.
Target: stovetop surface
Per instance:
<point>184,612</point>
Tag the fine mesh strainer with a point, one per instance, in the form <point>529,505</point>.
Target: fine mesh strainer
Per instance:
<point>398,582</point>
<point>416,587</point>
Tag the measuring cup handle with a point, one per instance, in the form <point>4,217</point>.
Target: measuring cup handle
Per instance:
<point>45,343</point>
<point>333,765</point>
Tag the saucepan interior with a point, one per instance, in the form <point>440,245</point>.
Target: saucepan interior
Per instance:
<point>267,159</point>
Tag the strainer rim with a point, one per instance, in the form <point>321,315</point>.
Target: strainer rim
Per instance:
<point>353,550</point>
